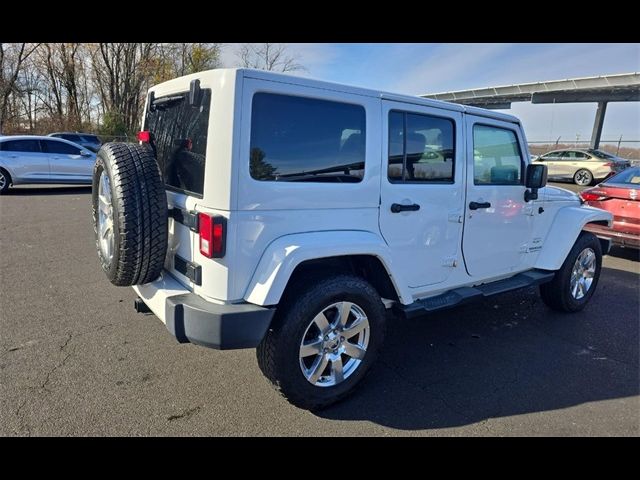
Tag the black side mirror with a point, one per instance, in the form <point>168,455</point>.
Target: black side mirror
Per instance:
<point>536,178</point>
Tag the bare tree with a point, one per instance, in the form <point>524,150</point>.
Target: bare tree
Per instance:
<point>12,58</point>
<point>122,73</point>
<point>195,57</point>
<point>268,56</point>
<point>80,86</point>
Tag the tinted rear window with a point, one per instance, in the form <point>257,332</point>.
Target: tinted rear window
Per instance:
<point>601,154</point>
<point>70,137</point>
<point>91,138</point>
<point>20,146</point>
<point>179,138</point>
<point>300,139</point>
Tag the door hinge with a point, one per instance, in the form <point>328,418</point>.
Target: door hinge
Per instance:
<point>185,217</point>
<point>191,270</point>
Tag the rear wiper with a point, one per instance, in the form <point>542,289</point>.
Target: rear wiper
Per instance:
<point>164,102</point>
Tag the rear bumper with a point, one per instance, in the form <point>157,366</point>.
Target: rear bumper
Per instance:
<point>617,238</point>
<point>192,319</point>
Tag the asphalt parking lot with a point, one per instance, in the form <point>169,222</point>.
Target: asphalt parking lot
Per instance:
<point>75,359</point>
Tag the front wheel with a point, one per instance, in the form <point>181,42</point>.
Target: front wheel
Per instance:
<point>323,340</point>
<point>574,284</point>
<point>5,180</point>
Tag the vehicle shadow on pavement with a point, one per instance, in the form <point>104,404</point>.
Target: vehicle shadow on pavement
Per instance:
<point>509,355</point>
<point>48,190</point>
<point>632,254</point>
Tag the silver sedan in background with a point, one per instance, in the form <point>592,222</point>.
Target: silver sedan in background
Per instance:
<point>28,159</point>
<point>581,166</point>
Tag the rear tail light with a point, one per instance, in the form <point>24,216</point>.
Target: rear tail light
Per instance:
<point>144,136</point>
<point>610,164</point>
<point>212,230</point>
<point>593,196</point>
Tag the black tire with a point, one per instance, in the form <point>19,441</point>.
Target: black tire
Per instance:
<point>139,204</point>
<point>556,294</point>
<point>278,353</point>
<point>583,177</point>
<point>5,181</point>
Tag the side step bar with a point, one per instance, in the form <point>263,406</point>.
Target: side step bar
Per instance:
<point>463,295</point>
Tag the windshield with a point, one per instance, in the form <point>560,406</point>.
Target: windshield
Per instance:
<point>630,176</point>
<point>179,139</point>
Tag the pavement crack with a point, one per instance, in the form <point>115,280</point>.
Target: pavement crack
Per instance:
<point>186,414</point>
<point>69,336</point>
<point>584,347</point>
<point>44,384</point>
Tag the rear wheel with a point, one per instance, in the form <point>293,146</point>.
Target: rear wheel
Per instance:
<point>323,340</point>
<point>5,181</point>
<point>574,284</point>
<point>583,177</point>
<point>129,214</point>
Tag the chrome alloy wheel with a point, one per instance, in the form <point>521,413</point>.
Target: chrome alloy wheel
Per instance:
<point>105,218</point>
<point>582,274</point>
<point>3,180</point>
<point>334,344</point>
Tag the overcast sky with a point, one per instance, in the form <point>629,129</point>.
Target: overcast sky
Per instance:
<point>432,68</point>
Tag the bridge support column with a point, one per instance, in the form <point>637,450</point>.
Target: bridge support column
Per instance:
<point>597,126</point>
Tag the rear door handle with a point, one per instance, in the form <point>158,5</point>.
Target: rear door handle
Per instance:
<point>477,205</point>
<point>397,208</point>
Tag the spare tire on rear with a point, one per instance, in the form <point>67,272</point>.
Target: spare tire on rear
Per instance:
<point>129,213</point>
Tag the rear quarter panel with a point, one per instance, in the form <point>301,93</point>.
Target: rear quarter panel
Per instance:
<point>264,211</point>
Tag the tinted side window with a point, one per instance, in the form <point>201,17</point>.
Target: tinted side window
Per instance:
<point>51,146</point>
<point>496,156</point>
<point>71,138</point>
<point>20,146</point>
<point>299,139</point>
<point>421,148</point>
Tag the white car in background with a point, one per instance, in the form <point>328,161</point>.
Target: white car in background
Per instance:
<point>582,166</point>
<point>28,159</point>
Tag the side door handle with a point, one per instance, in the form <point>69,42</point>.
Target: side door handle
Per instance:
<point>477,205</point>
<point>397,208</point>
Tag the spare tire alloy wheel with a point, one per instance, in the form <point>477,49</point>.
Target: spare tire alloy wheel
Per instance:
<point>129,214</point>
<point>105,218</point>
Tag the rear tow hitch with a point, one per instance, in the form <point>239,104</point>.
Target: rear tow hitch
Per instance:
<point>140,306</point>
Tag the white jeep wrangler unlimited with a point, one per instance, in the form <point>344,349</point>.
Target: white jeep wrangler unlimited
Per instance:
<point>283,213</point>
